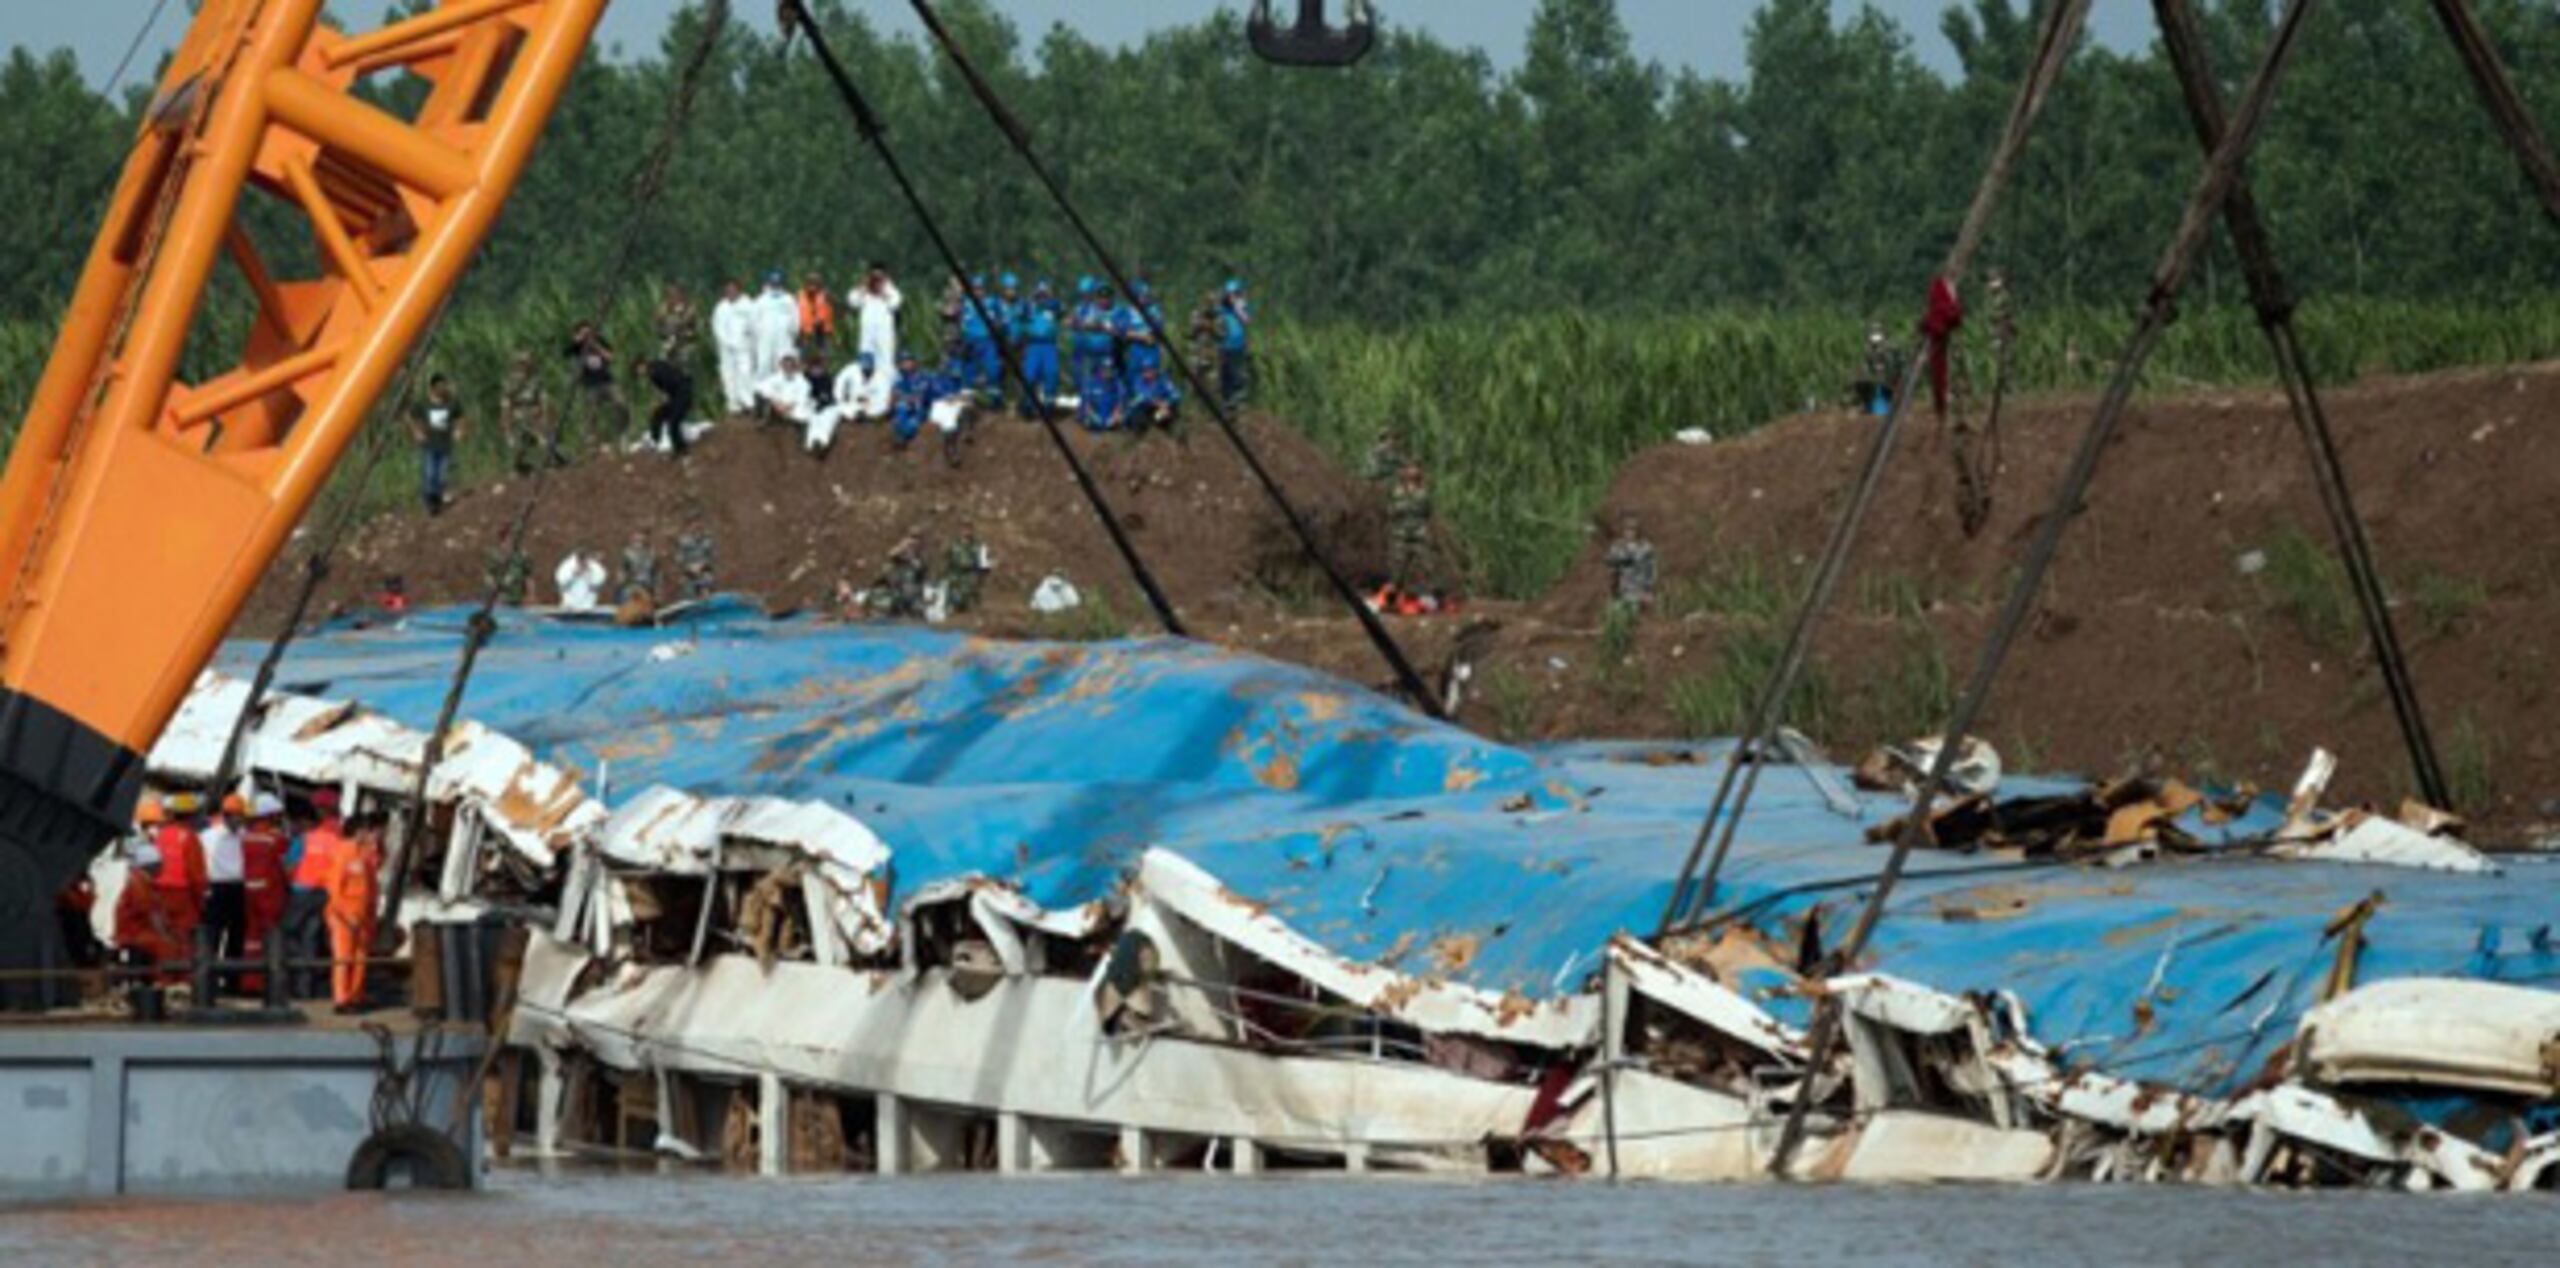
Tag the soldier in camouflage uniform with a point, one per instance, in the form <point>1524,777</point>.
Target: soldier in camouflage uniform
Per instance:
<point>524,415</point>
<point>639,571</point>
<point>1409,530</point>
<point>899,593</point>
<point>1633,570</point>
<point>679,326</point>
<point>1206,326</point>
<point>965,566</point>
<point>510,574</point>
<point>1385,460</point>
<point>697,556</point>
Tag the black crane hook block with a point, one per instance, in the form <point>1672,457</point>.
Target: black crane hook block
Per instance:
<point>1312,41</point>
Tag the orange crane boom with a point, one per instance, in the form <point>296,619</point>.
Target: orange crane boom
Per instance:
<point>140,509</point>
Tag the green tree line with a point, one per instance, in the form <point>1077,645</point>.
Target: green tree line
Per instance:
<point>1430,182</point>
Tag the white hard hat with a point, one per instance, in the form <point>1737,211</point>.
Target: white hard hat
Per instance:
<point>266,806</point>
<point>145,854</point>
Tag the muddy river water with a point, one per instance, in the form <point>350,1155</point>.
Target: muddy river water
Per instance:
<point>640,1221</point>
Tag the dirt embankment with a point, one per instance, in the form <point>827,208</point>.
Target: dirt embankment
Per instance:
<point>2194,622</point>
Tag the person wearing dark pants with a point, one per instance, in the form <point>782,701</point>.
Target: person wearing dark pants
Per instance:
<point>675,404</point>
<point>1235,346</point>
<point>436,424</point>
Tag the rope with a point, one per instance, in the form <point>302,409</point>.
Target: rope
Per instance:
<point>2221,174</point>
<point>648,181</point>
<point>1407,678</point>
<point>2505,106</point>
<point>2190,57</point>
<point>2053,52</point>
<point>316,566</point>
<point>874,133</point>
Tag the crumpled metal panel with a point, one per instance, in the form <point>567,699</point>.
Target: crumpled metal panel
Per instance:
<point>1427,858</point>
<point>536,808</point>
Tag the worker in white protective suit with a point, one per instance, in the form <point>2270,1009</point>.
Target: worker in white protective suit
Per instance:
<point>733,328</point>
<point>875,303</point>
<point>850,384</point>
<point>787,398</point>
<point>581,577</point>
<point>777,328</point>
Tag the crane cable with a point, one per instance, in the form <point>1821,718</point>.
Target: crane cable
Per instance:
<point>1743,764</point>
<point>2195,229</point>
<point>1020,138</point>
<point>648,182</point>
<point>866,121</point>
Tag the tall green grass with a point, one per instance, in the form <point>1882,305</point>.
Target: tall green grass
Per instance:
<point>1523,420</point>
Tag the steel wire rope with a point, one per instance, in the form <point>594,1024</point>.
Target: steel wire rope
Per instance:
<point>2203,210</point>
<point>648,182</point>
<point>2061,32</point>
<point>1373,625</point>
<point>874,133</point>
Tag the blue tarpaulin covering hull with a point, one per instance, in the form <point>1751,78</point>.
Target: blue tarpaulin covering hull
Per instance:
<point>1390,839</point>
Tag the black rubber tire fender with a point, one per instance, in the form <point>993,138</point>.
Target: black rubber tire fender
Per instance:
<point>435,1162</point>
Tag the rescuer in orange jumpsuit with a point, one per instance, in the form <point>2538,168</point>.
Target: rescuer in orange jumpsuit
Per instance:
<point>355,886</point>
<point>306,904</point>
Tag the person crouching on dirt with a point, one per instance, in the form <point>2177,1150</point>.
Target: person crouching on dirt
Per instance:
<point>899,593</point>
<point>1154,403</point>
<point>911,400</point>
<point>1633,570</point>
<point>1100,406</point>
<point>785,396</point>
<point>639,572</point>
<point>951,409</point>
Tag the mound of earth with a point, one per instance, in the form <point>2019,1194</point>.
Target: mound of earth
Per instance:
<point>788,524</point>
<point>2194,623</point>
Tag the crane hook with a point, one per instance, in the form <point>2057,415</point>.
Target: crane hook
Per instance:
<point>1313,41</point>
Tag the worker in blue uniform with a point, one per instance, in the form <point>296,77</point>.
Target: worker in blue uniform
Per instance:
<point>1134,330</point>
<point>911,398</point>
<point>1235,345</point>
<point>1040,319</point>
<point>1100,408</point>
<point>1091,328</point>
<point>1155,404</point>
<point>977,339</point>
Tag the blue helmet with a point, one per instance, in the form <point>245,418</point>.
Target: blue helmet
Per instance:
<point>1235,286</point>
<point>978,281</point>
<point>1084,285</point>
<point>1040,287</point>
<point>1011,283</point>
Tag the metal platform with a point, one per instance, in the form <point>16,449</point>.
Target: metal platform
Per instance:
<point>92,1109</point>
